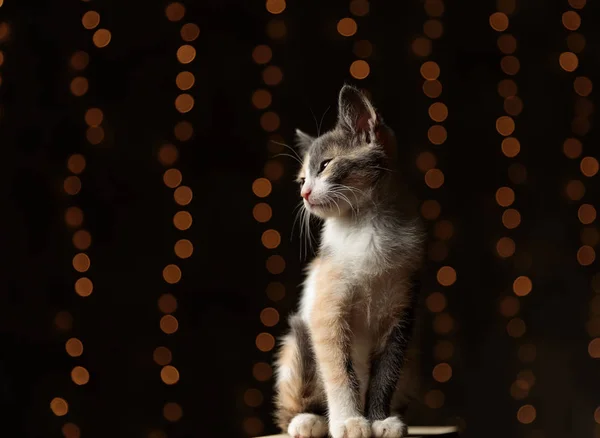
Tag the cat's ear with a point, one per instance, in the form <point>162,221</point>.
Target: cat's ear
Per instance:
<point>303,141</point>
<point>355,111</point>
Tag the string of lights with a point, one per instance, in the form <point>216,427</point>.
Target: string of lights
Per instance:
<point>442,230</point>
<point>588,166</point>
<point>362,48</point>
<point>168,155</point>
<point>262,101</point>
<point>74,216</point>
<point>512,303</point>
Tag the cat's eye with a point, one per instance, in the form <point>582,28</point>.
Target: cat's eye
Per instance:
<point>323,165</point>
<point>301,181</point>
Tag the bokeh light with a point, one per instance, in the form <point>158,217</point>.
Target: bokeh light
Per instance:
<point>511,147</point>
<point>347,27</point>
<point>162,356</point>
<point>169,375</point>
<point>499,21</point>
<point>269,317</point>
<point>172,412</point>
<point>586,255</point>
<point>526,414</point>
<point>522,285</point>
<point>442,372</point>
<point>505,247</point>
<point>74,347</point>
<point>586,214</point>
<point>167,155</point>
<point>265,342</point>
<point>434,178</point>
<point>516,328</point>
<point>59,406</point>
<point>568,61</point>
<point>434,399</point>
<point>189,32</point>
<point>360,69</point>
<point>172,274</point>
<point>436,302</point>
<point>102,38</point>
<point>84,287</point>
<point>167,303</point>
<point>169,324</point>
<point>446,276</point>
<point>80,375</point>
<point>262,371</point>
<point>275,264</point>
<point>275,6</point>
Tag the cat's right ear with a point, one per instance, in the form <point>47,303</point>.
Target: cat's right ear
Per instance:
<point>303,141</point>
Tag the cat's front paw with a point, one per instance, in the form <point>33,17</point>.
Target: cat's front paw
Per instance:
<point>308,426</point>
<point>353,427</point>
<point>391,427</point>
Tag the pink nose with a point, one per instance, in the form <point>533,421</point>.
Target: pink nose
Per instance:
<point>305,194</point>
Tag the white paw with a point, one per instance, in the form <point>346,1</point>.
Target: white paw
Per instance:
<point>308,426</point>
<point>391,427</point>
<point>354,427</point>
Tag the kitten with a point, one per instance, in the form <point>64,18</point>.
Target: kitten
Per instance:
<point>345,351</point>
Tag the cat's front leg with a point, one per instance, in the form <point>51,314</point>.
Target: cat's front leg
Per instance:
<point>332,340</point>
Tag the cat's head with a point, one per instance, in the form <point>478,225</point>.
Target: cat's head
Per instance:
<point>342,168</point>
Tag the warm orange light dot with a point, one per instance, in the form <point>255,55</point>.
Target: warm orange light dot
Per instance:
<point>182,220</point>
<point>95,135</point>
<point>522,286</point>
<point>81,262</point>
<point>185,80</point>
<point>80,375</point>
<point>269,317</point>
<point>186,54</point>
<point>438,112</point>
<point>511,218</point>
<point>261,187</point>
<point>59,406</point>
<point>446,276</point>
<point>84,287</point>
<point>442,372</point>
<point>421,46</point>
<point>169,324</point>
<point>183,195</point>
<point>431,209</point>
<point>189,32</point>
<point>184,103</point>
<point>594,348</point>
<point>169,375</point>
<point>432,89</point>
<point>183,131</point>
<point>589,166</point>
<point>586,214</point>
<point>172,274</point>
<point>568,61</point>
<point>265,342</point>
<point>571,20</point>
<point>184,248</point>
<point>359,8</point>
<point>275,291</point>
<point>275,264</point>
<point>74,347</point>
<point>262,212</point>
<point>262,54</point>
<point>102,38</point>
<point>80,60</point>
<point>510,65</point>
<point>516,328</point>
<point>162,356</point>
<point>347,27</point>
<point>90,20</point>
<point>511,147</point>
<point>269,121</point>
<point>426,161</point>
<point>175,11</point>
<point>71,430</point>
<point>272,75</point>
<point>434,178</point>
<point>167,303</point>
<point>509,306</point>
<point>94,117</point>
<point>583,86</point>
<point>437,134</point>
<point>507,44</point>
<point>436,302</point>
<point>76,163</point>
<point>79,86</point>
<point>74,217</point>
<point>172,178</point>
<point>505,196</point>
<point>360,69</point>
<point>172,412</point>
<point>505,125</point>
<point>271,239</point>
<point>82,240</point>
<point>572,148</point>
<point>577,4</point>
<point>434,399</point>
<point>575,190</point>
<point>253,426</point>
<point>526,414</point>
<point>167,155</point>
<point>262,371</point>
<point>505,247</point>
<point>433,29</point>
<point>597,415</point>
<point>261,99</point>
<point>513,105</point>
<point>275,6</point>
<point>507,88</point>
<point>499,21</point>
<point>430,70</point>
<point>586,255</point>
<point>72,185</point>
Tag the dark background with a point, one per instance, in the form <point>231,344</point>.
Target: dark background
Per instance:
<point>128,211</point>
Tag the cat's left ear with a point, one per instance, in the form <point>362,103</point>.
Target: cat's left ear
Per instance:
<point>355,111</point>
<point>303,141</point>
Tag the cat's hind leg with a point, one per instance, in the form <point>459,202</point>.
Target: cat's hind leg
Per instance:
<point>300,398</point>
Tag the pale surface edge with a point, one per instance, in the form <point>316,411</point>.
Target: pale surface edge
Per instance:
<point>414,430</point>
